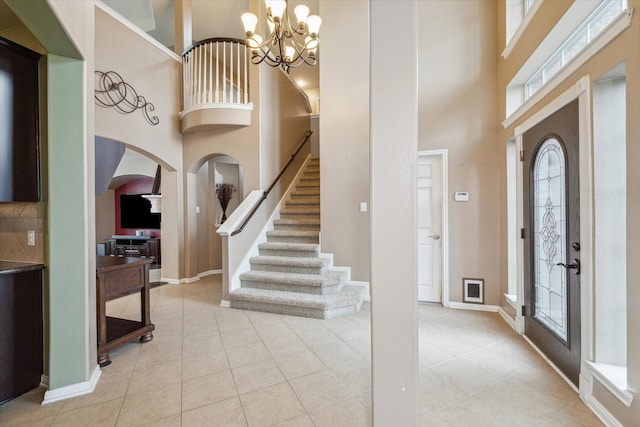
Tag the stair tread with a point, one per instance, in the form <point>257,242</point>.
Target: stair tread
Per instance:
<point>292,233</point>
<point>329,278</point>
<point>290,261</point>
<point>283,246</point>
<point>301,221</point>
<point>349,295</point>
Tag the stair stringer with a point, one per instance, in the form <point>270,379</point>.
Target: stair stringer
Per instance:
<point>245,265</point>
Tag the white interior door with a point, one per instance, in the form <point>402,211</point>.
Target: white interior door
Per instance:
<point>429,205</point>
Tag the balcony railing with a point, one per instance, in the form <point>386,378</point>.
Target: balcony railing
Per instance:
<point>214,76</point>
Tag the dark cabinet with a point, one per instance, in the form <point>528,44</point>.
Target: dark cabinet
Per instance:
<point>20,332</point>
<point>19,146</point>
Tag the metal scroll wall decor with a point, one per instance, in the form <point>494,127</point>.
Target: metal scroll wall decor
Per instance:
<point>112,91</point>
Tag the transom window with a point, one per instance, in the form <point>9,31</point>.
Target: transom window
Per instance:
<point>602,16</point>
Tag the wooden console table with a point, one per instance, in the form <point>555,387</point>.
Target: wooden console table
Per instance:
<point>118,276</point>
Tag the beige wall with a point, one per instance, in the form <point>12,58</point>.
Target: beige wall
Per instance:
<point>624,48</point>
<point>344,134</point>
<point>115,47</point>
<point>105,216</point>
<point>457,108</point>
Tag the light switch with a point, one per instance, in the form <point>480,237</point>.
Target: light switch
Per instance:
<point>197,209</point>
<point>363,207</point>
<point>31,237</point>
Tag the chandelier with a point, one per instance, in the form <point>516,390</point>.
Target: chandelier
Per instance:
<point>287,46</point>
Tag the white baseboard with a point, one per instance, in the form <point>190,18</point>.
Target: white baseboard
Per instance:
<point>602,413</point>
<point>171,281</point>
<point>367,295</point>
<point>209,273</point>
<point>225,303</point>
<point>73,390</point>
<point>477,307</point>
<point>505,316</point>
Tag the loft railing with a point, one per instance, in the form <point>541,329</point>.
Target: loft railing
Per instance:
<point>215,71</point>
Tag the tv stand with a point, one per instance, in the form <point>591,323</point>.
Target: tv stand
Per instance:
<point>135,246</point>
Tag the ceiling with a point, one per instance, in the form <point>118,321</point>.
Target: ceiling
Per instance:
<point>211,18</point>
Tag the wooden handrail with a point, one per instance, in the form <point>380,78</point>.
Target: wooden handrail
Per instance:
<point>273,184</point>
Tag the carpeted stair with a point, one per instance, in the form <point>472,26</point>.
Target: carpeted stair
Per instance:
<point>290,276</point>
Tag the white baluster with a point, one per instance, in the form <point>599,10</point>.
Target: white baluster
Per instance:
<point>217,72</point>
<point>224,72</point>
<point>246,76</point>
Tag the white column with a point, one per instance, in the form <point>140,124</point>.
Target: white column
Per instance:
<point>393,148</point>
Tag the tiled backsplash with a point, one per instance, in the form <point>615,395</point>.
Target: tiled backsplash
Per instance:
<point>16,219</point>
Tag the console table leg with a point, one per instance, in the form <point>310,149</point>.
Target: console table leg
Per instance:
<point>146,337</point>
<point>104,360</point>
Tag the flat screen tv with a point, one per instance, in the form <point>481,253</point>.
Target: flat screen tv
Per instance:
<point>135,212</point>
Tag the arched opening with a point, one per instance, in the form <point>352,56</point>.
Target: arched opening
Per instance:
<point>205,212</point>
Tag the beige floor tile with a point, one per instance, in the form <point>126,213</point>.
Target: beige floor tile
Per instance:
<point>355,375</point>
<point>257,376</point>
<point>344,413</point>
<point>294,365</point>
<point>194,347</point>
<point>205,364</point>
<point>151,376</point>
<point>288,343</point>
<point>172,421</point>
<point>575,415</point>
<point>97,415</point>
<point>271,405</point>
<point>148,406</point>
<point>108,388</point>
<point>226,413</point>
<point>248,354</point>
<point>300,421</point>
<point>318,389</point>
<point>27,408</point>
<point>240,337</point>
<point>202,391</point>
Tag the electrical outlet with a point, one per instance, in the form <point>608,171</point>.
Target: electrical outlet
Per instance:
<point>31,237</point>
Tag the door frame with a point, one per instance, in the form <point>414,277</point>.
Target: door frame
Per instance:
<point>582,92</point>
<point>443,155</point>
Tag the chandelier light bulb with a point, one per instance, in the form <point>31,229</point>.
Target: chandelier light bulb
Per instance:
<point>249,20</point>
<point>313,23</point>
<point>311,44</point>
<point>289,53</point>
<point>301,12</point>
<point>277,9</point>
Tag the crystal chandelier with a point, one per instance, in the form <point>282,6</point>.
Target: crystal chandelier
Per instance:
<point>287,46</point>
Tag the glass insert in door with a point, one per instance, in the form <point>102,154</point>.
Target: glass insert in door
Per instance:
<point>549,236</point>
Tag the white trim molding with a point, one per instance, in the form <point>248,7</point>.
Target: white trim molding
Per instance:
<point>521,28</point>
<point>73,390</point>
<point>476,307</point>
<point>613,378</point>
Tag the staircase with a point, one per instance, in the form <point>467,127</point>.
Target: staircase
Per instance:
<point>290,276</point>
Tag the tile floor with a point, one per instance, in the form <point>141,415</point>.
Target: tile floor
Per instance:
<point>213,366</point>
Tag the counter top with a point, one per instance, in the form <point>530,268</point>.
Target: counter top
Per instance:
<point>10,267</point>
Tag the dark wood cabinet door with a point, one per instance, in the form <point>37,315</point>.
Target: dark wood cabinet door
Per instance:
<point>19,142</point>
<point>21,344</point>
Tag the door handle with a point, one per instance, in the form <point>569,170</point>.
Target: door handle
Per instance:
<point>575,265</point>
<point>435,236</point>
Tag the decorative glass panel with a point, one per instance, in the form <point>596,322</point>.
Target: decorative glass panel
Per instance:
<point>549,236</point>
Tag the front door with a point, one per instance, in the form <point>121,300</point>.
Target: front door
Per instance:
<point>552,238</point>
<point>429,188</point>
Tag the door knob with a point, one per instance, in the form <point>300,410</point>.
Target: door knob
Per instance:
<point>575,265</point>
<point>435,236</point>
